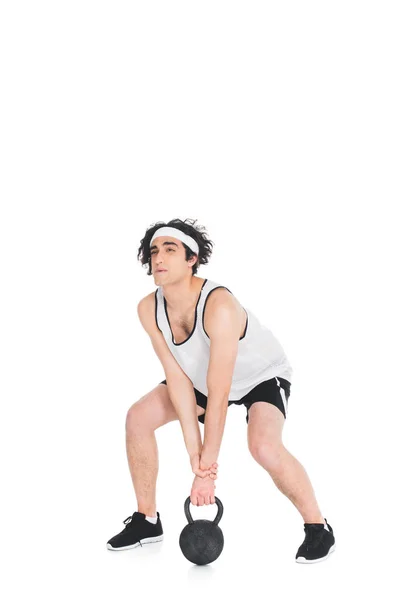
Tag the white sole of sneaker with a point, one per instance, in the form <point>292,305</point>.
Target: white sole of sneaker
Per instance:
<point>304,561</point>
<point>143,541</point>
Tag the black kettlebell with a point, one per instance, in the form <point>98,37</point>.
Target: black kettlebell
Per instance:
<point>202,541</point>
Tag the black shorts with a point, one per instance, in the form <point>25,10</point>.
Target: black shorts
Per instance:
<point>275,391</point>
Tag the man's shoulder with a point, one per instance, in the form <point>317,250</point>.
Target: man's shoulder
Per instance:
<point>221,298</point>
<point>148,300</point>
<point>220,295</point>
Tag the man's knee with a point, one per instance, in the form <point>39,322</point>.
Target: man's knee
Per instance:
<point>152,411</point>
<point>268,453</point>
<point>135,418</point>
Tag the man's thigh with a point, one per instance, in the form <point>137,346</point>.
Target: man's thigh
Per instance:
<point>201,402</point>
<point>155,409</point>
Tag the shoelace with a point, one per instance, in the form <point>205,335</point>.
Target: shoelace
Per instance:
<point>130,520</point>
<point>314,535</point>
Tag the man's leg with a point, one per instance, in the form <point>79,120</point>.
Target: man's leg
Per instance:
<point>264,436</point>
<point>144,417</point>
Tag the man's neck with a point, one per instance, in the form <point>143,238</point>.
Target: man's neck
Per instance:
<point>182,297</point>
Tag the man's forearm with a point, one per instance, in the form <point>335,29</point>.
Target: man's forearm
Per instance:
<point>214,425</point>
<point>192,438</point>
<point>184,401</point>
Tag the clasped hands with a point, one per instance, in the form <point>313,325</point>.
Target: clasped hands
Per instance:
<point>203,485</point>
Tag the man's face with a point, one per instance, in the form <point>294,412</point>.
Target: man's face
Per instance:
<point>168,258</point>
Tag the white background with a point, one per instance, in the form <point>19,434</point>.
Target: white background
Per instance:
<point>276,126</point>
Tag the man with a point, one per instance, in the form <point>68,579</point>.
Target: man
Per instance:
<point>215,353</point>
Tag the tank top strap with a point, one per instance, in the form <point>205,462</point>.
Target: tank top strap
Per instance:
<point>209,286</point>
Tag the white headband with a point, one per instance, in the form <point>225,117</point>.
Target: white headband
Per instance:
<point>176,233</point>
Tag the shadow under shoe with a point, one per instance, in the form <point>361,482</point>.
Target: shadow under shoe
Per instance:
<point>138,531</point>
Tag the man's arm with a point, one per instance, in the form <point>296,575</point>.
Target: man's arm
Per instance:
<point>180,387</point>
<point>222,323</point>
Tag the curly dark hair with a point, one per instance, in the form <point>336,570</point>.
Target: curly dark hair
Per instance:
<point>187,226</point>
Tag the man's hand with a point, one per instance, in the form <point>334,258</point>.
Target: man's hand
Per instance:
<point>202,491</point>
<point>201,470</point>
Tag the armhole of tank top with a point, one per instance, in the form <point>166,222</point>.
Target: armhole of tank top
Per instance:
<point>247,324</point>
<point>204,308</point>
<point>155,309</point>
<point>205,302</point>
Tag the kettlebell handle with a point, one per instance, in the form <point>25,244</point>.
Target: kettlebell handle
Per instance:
<point>217,518</point>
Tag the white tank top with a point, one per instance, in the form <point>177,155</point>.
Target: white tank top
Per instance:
<point>260,356</point>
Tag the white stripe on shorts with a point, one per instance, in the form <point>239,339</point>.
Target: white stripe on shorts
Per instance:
<point>283,395</point>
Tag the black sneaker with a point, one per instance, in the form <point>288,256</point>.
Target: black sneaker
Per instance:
<point>138,531</point>
<point>318,544</point>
